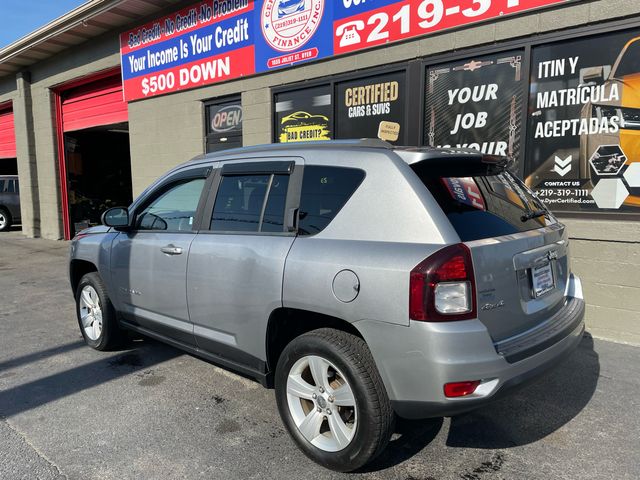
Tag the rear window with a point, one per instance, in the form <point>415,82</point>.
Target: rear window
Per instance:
<point>487,206</point>
<point>325,190</point>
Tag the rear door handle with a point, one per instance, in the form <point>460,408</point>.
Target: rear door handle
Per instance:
<point>171,250</point>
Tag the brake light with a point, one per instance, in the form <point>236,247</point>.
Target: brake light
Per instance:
<point>460,389</point>
<point>442,287</point>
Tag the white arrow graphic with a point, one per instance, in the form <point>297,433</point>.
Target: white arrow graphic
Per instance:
<point>562,167</point>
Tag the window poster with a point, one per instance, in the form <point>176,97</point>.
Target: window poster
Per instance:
<point>583,138</point>
<point>303,115</point>
<point>372,107</point>
<point>476,103</point>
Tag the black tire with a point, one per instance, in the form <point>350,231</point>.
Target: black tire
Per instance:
<point>110,335</point>
<point>6,224</point>
<point>354,361</point>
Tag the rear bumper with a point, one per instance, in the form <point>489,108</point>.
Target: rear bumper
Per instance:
<point>425,356</point>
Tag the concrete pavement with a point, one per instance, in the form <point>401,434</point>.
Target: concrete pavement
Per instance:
<point>150,411</point>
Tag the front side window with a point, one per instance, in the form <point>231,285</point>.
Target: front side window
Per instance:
<point>250,203</point>
<point>325,190</point>
<point>175,209</point>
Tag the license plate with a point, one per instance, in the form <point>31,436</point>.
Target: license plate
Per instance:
<point>543,281</point>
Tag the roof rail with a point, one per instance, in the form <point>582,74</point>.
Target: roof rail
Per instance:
<point>352,143</point>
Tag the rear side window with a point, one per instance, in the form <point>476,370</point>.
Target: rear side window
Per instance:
<point>240,203</point>
<point>325,190</point>
<point>486,206</point>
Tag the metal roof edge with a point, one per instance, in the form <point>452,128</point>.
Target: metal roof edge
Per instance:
<point>71,19</point>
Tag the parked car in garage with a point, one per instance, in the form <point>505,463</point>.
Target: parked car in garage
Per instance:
<point>361,280</point>
<point>9,202</point>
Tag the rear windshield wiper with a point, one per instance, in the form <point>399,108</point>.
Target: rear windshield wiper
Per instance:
<point>531,214</point>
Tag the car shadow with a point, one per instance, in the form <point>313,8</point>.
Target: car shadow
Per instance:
<point>526,415</point>
<point>409,438</point>
<point>133,356</point>
<point>534,411</point>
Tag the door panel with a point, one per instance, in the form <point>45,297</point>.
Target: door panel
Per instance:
<point>151,284</point>
<point>234,282</point>
<point>149,264</point>
<point>235,270</point>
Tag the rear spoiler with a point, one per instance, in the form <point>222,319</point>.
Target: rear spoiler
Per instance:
<point>454,163</point>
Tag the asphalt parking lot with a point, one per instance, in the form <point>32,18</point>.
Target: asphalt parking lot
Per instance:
<point>150,411</point>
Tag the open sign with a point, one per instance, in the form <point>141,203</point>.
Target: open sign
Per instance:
<point>226,119</point>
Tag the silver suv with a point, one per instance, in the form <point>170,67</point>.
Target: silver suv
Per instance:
<point>361,280</point>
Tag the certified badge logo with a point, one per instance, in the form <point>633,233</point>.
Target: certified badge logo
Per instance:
<point>289,24</point>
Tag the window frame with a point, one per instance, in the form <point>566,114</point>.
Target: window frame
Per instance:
<point>180,177</point>
<point>293,166</point>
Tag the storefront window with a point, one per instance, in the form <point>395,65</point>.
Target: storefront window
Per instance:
<point>304,115</point>
<point>583,142</point>
<point>476,103</point>
<point>224,124</point>
<point>372,107</point>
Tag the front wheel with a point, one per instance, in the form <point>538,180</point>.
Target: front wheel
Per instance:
<point>332,400</point>
<point>96,315</point>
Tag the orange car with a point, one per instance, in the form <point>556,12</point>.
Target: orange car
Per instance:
<point>625,77</point>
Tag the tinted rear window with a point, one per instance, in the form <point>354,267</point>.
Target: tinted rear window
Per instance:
<point>488,206</point>
<point>325,190</point>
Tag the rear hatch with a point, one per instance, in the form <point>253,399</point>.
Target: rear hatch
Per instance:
<point>519,250</point>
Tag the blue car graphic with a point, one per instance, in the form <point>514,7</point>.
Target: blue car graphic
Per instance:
<point>287,7</point>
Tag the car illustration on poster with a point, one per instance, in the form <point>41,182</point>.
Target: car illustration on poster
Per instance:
<point>304,118</point>
<point>304,127</point>
<point>625,80</point>
<point>289,7</point>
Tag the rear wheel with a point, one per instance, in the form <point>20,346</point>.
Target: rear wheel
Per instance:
<point>5,220</point>
<point>332,400</point>
<point>96,315</point>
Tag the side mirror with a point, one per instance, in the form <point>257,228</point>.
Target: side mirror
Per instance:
<point>117,217</point>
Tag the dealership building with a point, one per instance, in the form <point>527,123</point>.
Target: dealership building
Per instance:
<point>102,101</point>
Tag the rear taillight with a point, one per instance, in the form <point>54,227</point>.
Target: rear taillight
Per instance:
<point>442,287</point>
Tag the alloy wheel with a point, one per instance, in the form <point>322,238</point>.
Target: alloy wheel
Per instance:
<point>321,403</point>
<point>91,313</point>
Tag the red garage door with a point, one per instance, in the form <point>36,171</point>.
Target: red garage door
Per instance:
<point>89,102</point>
<point>7,134</point>
<point>93,104</point>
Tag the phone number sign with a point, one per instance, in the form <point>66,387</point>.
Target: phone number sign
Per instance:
<point>362,24</point>
<point>218,40</point>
